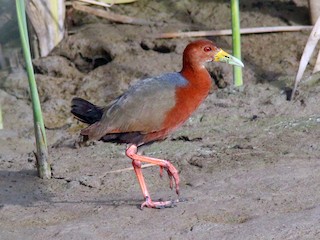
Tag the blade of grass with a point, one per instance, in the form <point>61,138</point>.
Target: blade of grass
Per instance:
<point>110,15</point>
<point>118,1</point>
<point>40,135</point>
<point>236,43</point>
<point>306,55</point>
<point>314,8</point>
<point>47,19</point>
<point>317,64</point>
<point>227,32</point>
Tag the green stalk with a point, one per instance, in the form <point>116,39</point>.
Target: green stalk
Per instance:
<point>236,42</point>
<point>40,134</point>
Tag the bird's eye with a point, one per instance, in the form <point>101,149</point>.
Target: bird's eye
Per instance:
<point>207,49</point>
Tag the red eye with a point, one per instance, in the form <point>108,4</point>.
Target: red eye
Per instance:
<point>207,49</point>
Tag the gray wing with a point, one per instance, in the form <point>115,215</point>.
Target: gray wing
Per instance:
<point>144,106</point>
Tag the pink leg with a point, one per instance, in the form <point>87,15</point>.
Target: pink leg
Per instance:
<point>131,152</point>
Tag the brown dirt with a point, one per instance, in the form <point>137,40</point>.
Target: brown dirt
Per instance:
<point>248,159</point>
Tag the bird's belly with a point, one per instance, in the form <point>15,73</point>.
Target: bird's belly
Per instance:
<point>173,121</point>
<point>187,101</point>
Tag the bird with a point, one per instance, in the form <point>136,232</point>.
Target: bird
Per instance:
<point>153,108</point>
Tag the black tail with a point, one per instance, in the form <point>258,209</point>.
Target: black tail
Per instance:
<point>85,111</point>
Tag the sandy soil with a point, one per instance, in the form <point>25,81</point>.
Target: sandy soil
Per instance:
<point>248,158</point>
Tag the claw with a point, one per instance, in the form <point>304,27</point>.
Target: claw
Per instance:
<point>173,176</point>
<point>171,180</point>
<point>161,171</point>
<point>158,205</point>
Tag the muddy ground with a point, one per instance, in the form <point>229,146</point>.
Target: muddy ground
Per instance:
<point>248,158</point>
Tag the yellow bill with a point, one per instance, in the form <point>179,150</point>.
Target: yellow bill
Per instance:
<point>222,56</point>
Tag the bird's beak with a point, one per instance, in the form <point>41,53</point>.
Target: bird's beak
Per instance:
<point>222,56</point>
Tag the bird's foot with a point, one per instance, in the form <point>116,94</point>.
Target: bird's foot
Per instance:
<point>159,205</point>
<point>172,173</point>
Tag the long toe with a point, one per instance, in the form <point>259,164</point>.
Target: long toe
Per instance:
<point>173,176</point>
<point>158,205</point>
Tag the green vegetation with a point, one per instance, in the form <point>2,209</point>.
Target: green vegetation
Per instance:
<point>236,42</point>
<point>41,142</point>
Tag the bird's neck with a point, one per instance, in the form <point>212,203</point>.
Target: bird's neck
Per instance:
<point>198,87</point>
<point>188,97</point>
<point>197,76</point>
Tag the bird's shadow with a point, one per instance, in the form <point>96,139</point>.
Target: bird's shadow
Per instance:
<point>26,189</point>
<point>22,188</point>
<point>103,202</point>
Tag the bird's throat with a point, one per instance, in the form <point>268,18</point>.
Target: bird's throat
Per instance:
<point>198,78</point>
<point>188,97</point>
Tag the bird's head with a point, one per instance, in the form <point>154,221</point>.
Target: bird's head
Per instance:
<point>201,51</point>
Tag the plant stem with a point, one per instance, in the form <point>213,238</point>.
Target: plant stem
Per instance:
<point>40,135</point>
<point>226,32</point>
<point>236,42</point>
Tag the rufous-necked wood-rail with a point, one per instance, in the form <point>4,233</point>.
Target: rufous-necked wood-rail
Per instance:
<point>151,109</point>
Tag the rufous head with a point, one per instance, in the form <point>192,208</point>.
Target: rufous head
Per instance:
<point>201,51</point>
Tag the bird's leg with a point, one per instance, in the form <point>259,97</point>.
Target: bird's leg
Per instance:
<point>172,171</point>
<point>137,169</point>
<point>131,152</point>
<point>148,202</point>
